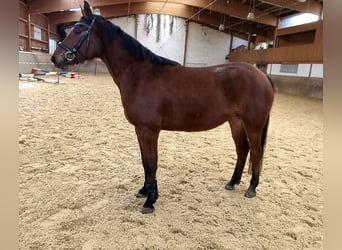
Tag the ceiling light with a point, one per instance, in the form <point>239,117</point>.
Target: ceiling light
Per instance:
<point>251,16</point>
<point>301,1</point>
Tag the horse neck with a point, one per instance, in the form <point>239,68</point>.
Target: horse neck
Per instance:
<point>119,63</point>
<point>118,59</point>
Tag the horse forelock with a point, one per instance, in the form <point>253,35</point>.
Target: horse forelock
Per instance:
<point>134,47</point>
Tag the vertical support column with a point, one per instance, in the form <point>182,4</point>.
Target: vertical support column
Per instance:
<point>48,37</point>
<point>29,32</point>
<point>271,69</point>
<point>136,26</point>
<point>230,45</point>
<point>249,41</point>
<point>186,42</point>
<point>275,40</point>
<point>310,70</point>
<point>231,42</point>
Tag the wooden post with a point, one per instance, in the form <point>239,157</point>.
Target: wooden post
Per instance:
<point>29,31</point>
<point>275,42</point>
<point>231,42</point>
<point>135,26</point>
<point>48,38</point>
<point>186,42</point>
<point>249,41</point>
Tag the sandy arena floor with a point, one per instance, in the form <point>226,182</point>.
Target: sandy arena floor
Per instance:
<point>80,168</point>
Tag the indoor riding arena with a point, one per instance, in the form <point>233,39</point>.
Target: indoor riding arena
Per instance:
<point>81,162</point>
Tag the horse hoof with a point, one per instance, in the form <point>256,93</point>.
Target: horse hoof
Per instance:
<point>229,186</point>
<point>140,195</point>
<point>147,210</point>
<point>250,193</point>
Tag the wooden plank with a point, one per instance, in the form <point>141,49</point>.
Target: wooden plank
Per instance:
<point>305,53</point>
<point>298,28</point>
<point>293,54</point>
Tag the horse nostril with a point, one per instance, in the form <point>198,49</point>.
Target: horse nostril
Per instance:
<point>53,59</point>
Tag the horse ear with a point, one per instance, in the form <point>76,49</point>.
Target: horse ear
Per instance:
<point>86,11</point>
<point>82,10</point>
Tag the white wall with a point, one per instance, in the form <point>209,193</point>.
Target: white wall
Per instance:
<point>206,46</point>
<point>30,60</point>
<point>303,70</point>
<point>171,43</point>
<point>317,70</point>
<point>297,19</point>
<point>237,42</point>
<point>126,23</point>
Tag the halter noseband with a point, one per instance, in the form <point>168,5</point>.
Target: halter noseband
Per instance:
<point>71,54</point>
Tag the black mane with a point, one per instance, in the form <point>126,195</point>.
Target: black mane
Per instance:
<point>134,47</point>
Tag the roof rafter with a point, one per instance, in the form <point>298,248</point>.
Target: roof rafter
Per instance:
<point>206,12</point>
<point>310,6</point>
<point>233,8</point>
<point>212,19</point>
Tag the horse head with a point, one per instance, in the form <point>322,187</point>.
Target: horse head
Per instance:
<point>81,43</point>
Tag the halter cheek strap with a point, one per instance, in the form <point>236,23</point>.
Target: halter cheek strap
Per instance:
<point>71,54</point>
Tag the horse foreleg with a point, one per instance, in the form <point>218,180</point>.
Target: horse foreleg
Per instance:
<point>148,140</point>
<point>242,148</point>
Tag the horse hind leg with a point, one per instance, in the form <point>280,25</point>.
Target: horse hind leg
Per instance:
<point>257,141</point>
<point>242,148</point>
<point>255,158</point>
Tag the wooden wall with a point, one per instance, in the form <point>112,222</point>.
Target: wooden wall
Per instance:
<point>298,44</point>
<point>27,24</point>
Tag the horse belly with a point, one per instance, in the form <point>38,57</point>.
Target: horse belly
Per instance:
<point>194,117</point>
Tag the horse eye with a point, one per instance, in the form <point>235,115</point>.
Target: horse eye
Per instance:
<point>77,32</point>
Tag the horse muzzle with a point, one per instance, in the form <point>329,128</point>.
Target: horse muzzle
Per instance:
<point>60,61</point>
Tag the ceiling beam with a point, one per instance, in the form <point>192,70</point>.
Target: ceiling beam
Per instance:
<point>234,8</point>
<point>206,17</point>
<point>310,6</point>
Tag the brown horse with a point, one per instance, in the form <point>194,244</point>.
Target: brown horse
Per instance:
<point>158,93</point>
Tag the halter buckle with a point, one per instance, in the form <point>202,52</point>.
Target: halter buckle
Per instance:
<point>70,56</point>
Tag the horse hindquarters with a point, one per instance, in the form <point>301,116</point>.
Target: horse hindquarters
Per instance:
<point>249,132</point>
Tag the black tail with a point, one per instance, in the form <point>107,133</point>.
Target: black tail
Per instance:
<point>263,143</point>
<point>264,131</point>
<point>263,136</point>
<point>271,81</point>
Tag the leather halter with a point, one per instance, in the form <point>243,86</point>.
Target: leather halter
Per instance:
<point>71,54</point>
